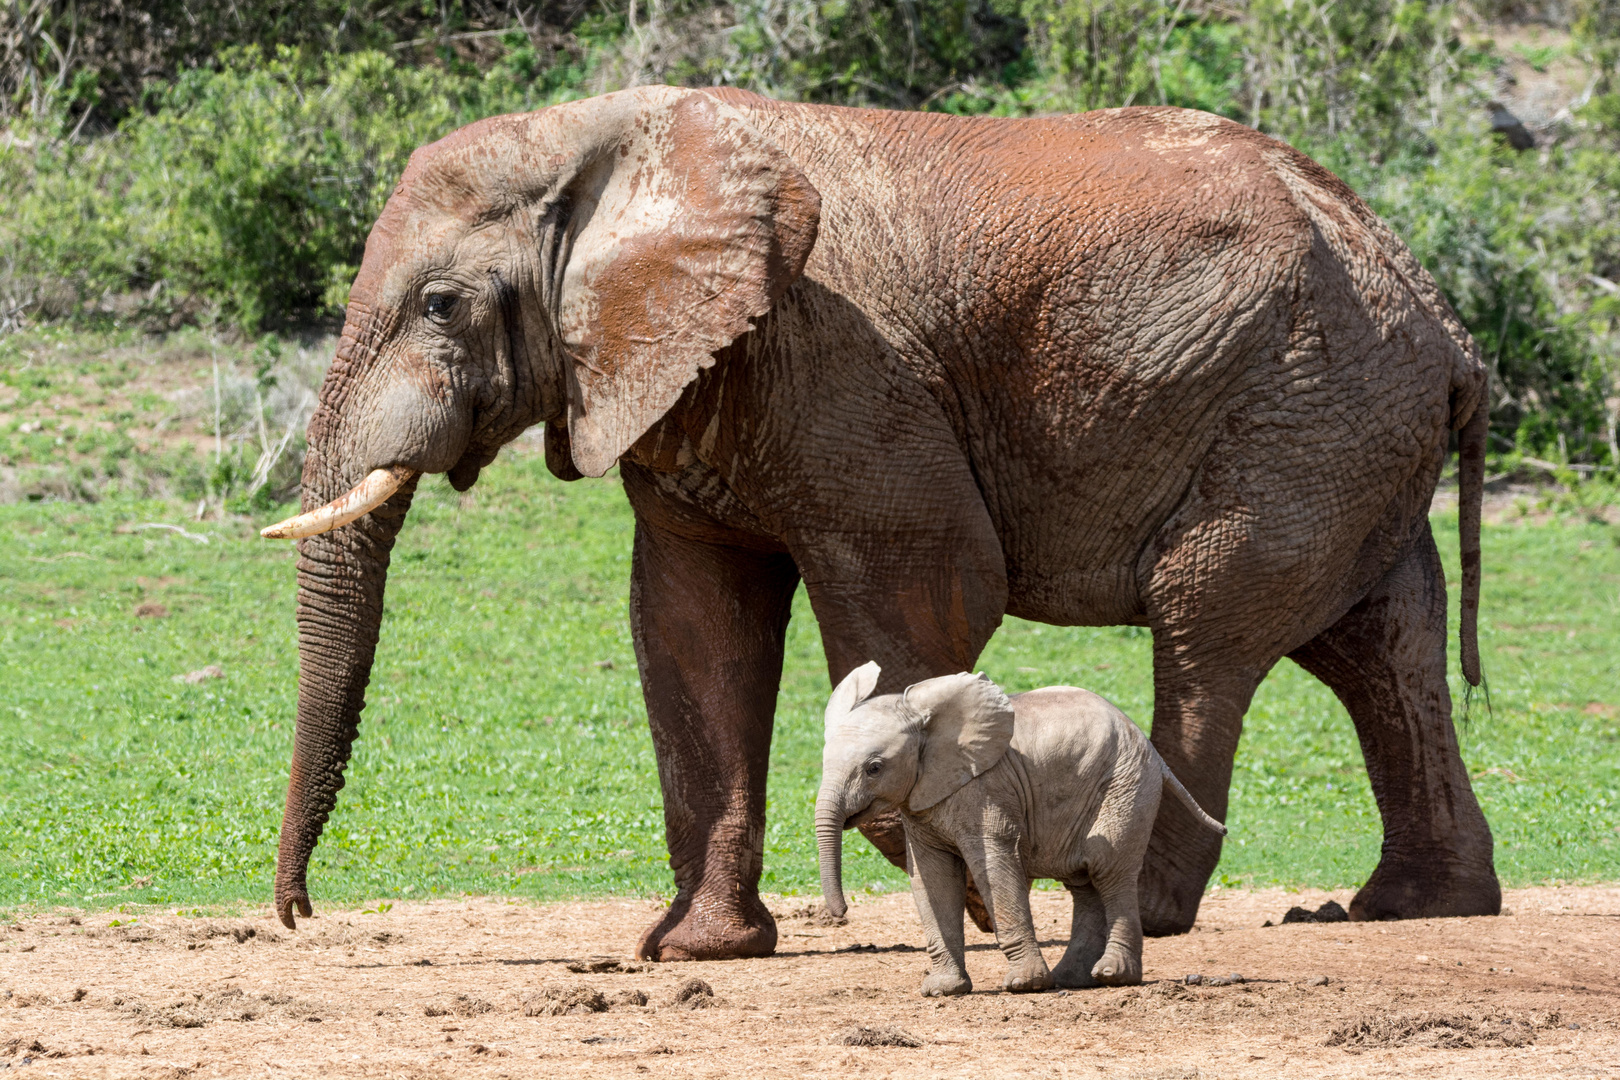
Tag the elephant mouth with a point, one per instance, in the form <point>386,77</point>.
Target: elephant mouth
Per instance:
<point>464,473</point>
<point>861,817</point>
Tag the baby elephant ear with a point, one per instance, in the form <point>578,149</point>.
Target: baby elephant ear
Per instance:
<point>856,688</point>
<point>967,723</point>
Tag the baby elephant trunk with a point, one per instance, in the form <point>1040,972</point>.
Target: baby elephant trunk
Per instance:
<point>830,845</point>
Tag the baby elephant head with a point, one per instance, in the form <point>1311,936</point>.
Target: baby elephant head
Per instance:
<point>907,750</point>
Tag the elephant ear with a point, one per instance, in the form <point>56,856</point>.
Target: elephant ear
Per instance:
<point>967,723</point>
<point>856,687</point>
<point>686,223</point>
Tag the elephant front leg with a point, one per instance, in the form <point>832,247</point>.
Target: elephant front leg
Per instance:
<point>708,622</point>
<point>997,864</point>
<point>1197,718</point>
<point>938,886</point>
<point>887,833</point>
<point>921,607</point>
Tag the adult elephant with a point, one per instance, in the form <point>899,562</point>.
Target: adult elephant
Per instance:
<point>1138,366</point>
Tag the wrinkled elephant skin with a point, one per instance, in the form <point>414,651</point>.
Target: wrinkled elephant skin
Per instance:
<point>1139,366</point>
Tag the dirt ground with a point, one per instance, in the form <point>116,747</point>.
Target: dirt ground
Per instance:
<point>467,988</point>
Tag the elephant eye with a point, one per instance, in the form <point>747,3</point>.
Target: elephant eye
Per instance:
<point>873,768</point>
<point>440,305</point>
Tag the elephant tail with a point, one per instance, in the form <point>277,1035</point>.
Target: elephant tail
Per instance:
<point>1174,787</point>
<point>1471,494</point>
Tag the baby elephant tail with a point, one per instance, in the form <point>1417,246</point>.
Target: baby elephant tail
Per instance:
<point>1174,786</point>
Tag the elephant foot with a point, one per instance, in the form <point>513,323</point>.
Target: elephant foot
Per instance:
<point>1028,977</point>
<point>1182,854</point>
<point>1118,967</point>
<point>1169,901</point>
<point>949,983</point>
<point>1170,888</point>
<point>1073,975</point>
<point>709,927</point>
<point>1426,889</point>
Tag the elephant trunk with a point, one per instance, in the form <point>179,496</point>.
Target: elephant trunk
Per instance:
<point>341,576</point>
<point>830,845</point>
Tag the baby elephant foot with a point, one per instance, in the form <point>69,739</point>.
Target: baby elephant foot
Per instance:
<point>1118,968</point>
<point>946,984</point>
<point>1028,977</point>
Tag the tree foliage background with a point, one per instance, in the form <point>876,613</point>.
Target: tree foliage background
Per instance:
<point>174,161</point>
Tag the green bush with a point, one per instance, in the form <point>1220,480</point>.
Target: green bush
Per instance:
<point>1521,244</point>
<point>245,191</point>
<point>1369,70</point>
<point>885,53</point>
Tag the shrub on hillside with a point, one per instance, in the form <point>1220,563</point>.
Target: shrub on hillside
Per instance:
<point>1527,248</point>
<point>244,193</point>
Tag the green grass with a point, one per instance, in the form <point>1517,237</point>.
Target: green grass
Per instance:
<point>498,757</point>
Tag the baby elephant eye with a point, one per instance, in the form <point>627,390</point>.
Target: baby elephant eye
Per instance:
<point>440,305</point>
<point>873,768</point>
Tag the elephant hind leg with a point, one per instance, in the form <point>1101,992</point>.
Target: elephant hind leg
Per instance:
<point>1088,938</point>
<point>1121,960</point>
<point>1386,661</point>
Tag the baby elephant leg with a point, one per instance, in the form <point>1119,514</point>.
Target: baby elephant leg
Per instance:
<point>1121,962</point>
<point>997,864</point>
<point>1088,938</point>
<point>938,885</point>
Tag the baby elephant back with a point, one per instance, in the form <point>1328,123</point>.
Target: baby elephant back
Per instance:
<point>1060,727</point>
<point>1093,775</point>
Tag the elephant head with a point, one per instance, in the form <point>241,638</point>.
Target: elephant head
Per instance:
<point>576,266</point>
<point>901,751</point>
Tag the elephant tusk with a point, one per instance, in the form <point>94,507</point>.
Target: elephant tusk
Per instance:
<point>370,493</point>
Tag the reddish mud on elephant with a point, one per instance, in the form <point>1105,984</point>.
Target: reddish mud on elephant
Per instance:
<point>1138,366</point>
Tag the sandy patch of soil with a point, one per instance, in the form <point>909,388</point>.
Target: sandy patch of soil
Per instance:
<point>485,988</point>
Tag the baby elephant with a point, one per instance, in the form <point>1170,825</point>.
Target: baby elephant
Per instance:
<point>1056,783</point>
